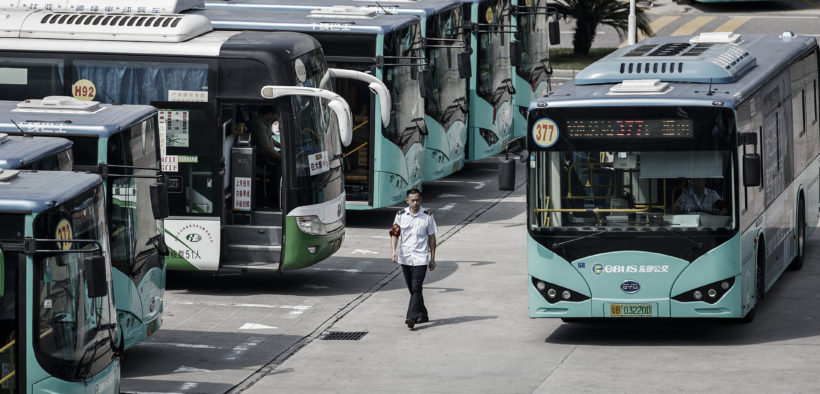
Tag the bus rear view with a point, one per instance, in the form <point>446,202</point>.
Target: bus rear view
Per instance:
<point>668,192</point>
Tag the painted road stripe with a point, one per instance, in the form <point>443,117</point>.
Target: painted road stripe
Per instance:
<point>692,26</point>
<point>655,25</point>
<point>733,24</point>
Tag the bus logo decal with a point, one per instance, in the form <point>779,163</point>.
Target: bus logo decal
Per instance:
<point>630,287</point>
<point>597,269</point>
<point>193,237</point>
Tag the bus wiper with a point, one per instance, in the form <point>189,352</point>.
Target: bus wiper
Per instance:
<point>158,243</point>
<point>561,244</point>
<point>410,130</point>
<point>84,367</point>
<point>660,225</point>
<point>458,104</point>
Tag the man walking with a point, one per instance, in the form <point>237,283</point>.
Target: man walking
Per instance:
<point>412,238</point>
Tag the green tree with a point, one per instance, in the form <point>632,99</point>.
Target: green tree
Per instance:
<point>588,14</point>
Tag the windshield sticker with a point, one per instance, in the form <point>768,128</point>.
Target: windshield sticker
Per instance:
<point>319,163</point>
<point>47,303</point>
<point>300,70</point>
<point>188,159</point>
<point>176,127</point>
<point>188,96</point>
<point>83,90</point>
<point>489,15</point>
<point>64,231</point>
<point>170,163</point>
<point>545,133</point>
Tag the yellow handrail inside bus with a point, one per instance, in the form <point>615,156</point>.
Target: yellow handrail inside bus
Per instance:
<point>7,377</point>
<point>354,150</point>
<point>8,345</point>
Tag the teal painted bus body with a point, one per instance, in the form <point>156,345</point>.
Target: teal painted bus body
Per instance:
<point>531,77</point>
<point>63,339</point>
<point>614,164</point>
<point>139,298</point>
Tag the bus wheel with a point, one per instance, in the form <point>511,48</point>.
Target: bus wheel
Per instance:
<point>797,263</point>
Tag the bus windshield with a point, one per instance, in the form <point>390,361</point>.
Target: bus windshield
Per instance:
<point>449,89</point>
<point>534,64</point>
<point>672,169</point>
<point>316,139</point>
<point>72,332</point>
<point>407,120</point>
<point>494,84</point>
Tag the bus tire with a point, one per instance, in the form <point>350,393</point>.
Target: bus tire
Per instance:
<point>798,261</point>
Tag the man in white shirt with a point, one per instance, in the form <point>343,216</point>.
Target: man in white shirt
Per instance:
<point>699,198</point>
<point>412,239</point>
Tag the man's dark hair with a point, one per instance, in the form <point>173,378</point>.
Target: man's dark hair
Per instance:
<point>413,190</point>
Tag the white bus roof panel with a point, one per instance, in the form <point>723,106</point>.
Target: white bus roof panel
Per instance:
<point>100,26</point>
<point>109,6</point>
<point>206,45</point>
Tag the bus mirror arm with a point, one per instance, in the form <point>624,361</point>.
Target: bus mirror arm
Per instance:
<point>374,84</point>
<point>337,104</point>
<point>94,274</point>
<point>159,200</point>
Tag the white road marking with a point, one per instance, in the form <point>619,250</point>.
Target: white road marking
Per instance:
<point>448,195</point>
<point>362,251</point>
<point>348,270</point>
<point>183,368</point>
<point>255,326</point>
<point>238,350</point>
<point>447,207</point>
<point>189,385</point>
<point>478,184</point>
<point>240,305</point>
<point>185,345</point>
<point>298,311</point>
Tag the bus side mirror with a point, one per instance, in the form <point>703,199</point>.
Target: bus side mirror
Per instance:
<point>554,31</point>
<point>515,53</point>
<point>2,273</point>
<point>159,200</point>
<point>381,92</point>
<point>426,83</point>
<point>94,275</point>
<point>751,169</point>
<point>344,118</point>
<point>464,67</point>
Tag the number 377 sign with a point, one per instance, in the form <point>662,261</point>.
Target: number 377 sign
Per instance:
<point>545,132</point>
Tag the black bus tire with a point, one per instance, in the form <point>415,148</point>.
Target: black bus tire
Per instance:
<point>798,261</point>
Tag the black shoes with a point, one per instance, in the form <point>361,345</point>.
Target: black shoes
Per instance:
<point>422,319</point>
<point>410,322</point>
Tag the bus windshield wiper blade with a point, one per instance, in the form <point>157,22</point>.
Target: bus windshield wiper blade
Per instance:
<point>560,244</point>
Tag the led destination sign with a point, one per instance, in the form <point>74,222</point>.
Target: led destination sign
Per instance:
<point>626,128</point>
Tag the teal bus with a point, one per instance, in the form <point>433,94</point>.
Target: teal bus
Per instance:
<point>57,320</point>
<point>386,155</point>
<point>35,153</point>
<point>677,177</point>
<point>121,143</point>
<point>446,104</point>
<point>228,210</point>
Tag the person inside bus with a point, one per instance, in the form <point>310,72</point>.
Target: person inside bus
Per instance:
<point>699,198</point>
<point>265,136</point>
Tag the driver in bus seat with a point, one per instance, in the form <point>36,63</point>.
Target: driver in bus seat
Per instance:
<point>699,198</point>
<point>265,135</point>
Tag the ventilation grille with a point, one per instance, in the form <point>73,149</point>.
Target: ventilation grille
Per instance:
<point>699,62</point>
<point>343,335</point>
<point>111,20</point>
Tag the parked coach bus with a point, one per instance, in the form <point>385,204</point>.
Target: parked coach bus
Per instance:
<point>677,177</point>
<point>121,143</point>
<point>229,209</point>
<point>57,320</point>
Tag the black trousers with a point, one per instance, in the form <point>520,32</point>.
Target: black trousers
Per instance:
<point>414,276</point>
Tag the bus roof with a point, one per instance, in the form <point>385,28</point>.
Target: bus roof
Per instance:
<point>102,120</point>
<point>682,70</point>
<point>399,7</point>
<point>18,151</point>
<point>111,6</point>
<point>334,21</point>
<point>36,191</point>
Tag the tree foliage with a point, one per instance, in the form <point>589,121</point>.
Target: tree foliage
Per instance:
<point>588,14</point>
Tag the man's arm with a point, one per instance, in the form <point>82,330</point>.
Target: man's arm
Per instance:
<point>394,243</point>
<point>432,240</point>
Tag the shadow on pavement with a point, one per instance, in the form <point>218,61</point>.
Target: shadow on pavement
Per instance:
<point>451,320</point>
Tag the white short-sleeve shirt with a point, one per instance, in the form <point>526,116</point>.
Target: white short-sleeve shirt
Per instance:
<point>414,245</point>
<point>690,202</point>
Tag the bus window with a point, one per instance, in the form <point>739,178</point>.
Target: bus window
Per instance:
<point>128,82</point>
<point>494,52</point>
<point>403,83</point>
<point>61,161</point>
<point>24,78</point>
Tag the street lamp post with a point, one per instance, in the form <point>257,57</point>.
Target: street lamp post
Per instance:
<point>631,32</point>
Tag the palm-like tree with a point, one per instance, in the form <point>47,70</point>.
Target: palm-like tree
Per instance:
<point>588,14</point>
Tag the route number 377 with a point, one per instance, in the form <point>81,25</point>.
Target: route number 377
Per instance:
<point>545,133</point>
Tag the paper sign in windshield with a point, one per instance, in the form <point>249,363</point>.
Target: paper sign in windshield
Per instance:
<point>319,163</point>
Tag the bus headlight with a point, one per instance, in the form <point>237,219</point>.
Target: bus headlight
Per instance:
<point>713,292</point>
<point>311,225</point>
<point>554,293</point>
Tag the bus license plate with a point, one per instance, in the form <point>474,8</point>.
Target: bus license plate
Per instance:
<point>630,310</point>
